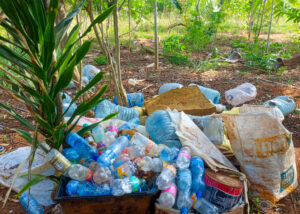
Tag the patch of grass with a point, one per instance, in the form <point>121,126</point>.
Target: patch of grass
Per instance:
<point>101,60</point>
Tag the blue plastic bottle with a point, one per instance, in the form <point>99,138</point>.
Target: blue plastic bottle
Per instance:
<point>211,94</point>
<point>184,202</point>
<point>130,124</point>
<point>285,104</point>
<point>82,147</point>
<point>106,107</point>
<point>113,151</point>
<point>71,154</point>
<point>71,109</point>
<point>33,207</point>
<point>184,180</point>
<point>71,188</point>
<point>197,169</point>
<point>134,99</point>
<point>169,154</point>
<point>90,189</point>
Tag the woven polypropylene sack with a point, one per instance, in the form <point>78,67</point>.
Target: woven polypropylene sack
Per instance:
<point>168,86</point>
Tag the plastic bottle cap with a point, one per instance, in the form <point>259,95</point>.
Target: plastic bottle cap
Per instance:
<point>95,156</point>
<point>85,125</point>
<point>199,194</point>
<point>184,210</point>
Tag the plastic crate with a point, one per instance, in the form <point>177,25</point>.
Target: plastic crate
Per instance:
<point>134,203</point>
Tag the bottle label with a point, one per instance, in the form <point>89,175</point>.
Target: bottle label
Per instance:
<point>124,151</point>
<point>183,154</point>
<point>172,189</point>
<point>172,168</point>
<point>140,161</point>
<point>135,183</point>
<point>111,129</point>
<point>90,175</point>
<point>60,163</point>
<point>121,171</point>
<point>149,146</point>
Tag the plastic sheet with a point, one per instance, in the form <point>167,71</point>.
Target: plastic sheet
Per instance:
<point>134,99</point>
<point>168,86</point>
<point>286,104</point>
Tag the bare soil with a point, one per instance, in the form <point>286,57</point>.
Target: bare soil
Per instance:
<point>221,79</point>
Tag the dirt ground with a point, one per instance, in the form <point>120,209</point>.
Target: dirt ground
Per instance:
<point>139,67</point>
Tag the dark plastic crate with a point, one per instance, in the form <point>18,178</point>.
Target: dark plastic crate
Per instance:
<point>135,203</point>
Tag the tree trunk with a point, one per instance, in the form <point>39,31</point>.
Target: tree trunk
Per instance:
<point>129,22</point>
<point>270,27</point>
<point>156,36</point>
<point>250,21</point>
<point>197,10</point>
<point>261,20</point>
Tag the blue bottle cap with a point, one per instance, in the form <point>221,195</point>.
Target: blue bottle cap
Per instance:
<point>85,125</point>
<point>184,210</point>
<point>199,194</point>
<point>95,156</point>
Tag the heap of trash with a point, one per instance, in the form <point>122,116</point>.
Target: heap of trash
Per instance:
<point>196,155</point>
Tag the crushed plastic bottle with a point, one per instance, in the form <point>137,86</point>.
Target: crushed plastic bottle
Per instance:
<point>147,163</point>
<point>90,189</point>
<point>126,185</point>
<point>134,99</point>
<point>166,177</point>
<point>90,71</point>
<point>102,175</point>
<point>33,207</point>
<point>210,94</point>
<point>71,109</point>
<point>113,151</point>
<point>184,202</point>
<point>143,145</point>
<point>184,158</point>
<point>184,180</point>
<point>241,94</point>
<point>203,206</point>
<point>83,148</point>
<point>160,128</point>
<point>168,86</point>
<point>169,154</point>
<point>106,107</point>
<point>167,197</point>
<point>197,169</point>
<point>89,163</point>
<point>108,138</point>
<point>79,172</point>
<point>286,104</point>
<point>157,165</point>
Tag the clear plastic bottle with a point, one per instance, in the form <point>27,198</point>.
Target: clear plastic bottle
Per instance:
<point>144,145</point>
<point>126,185</point>
<point>145,163</point>
<point>166,177</point>
<point>203,206</point>
<point>57,160</point>
<point>33,207</point>
<point>113,151</point>
<point>98,133</point>
<point>167,197</point>
<point>122,158</point>
<point>130,152</point>
<point>90,189</point>
<point>184,180</point>
<point>184,158</point>
<point>125,170</point>
<point>134,122</point>
<point>108,138</point>
<point>102,175</point>
<point>197,169</point>
<point>157,165</point>
<point>184,202</point>
<point>82,147</point>
<point>79,172</point>
<point>169,154</point>
<point>71,188</point>
<point>71,154</point>
<point>241,94</point>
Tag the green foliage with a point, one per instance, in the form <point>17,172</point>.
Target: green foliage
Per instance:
<point>101,60</point>
<point>286,9</point>
<point>34,74</point>
<point>174,51</point>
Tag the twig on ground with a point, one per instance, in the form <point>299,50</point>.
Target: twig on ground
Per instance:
<point>146,87</point>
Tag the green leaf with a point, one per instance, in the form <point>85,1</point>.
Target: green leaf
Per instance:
<point>98,20</point>
<point>59,135</point>
<point>82,51</point>
<point>72,36</point>
<point>15,115</point>
<point>62,27</point>
<point>94,125</point>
